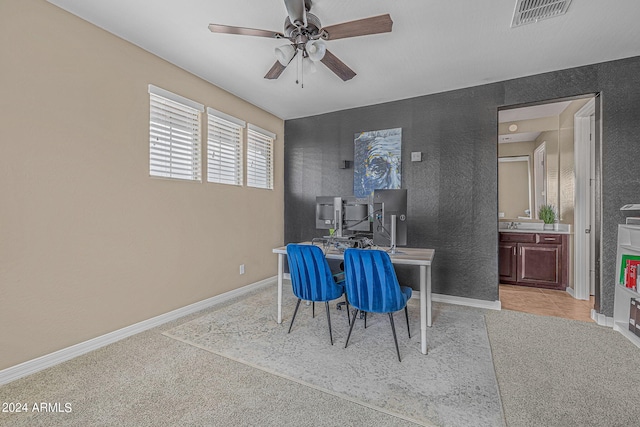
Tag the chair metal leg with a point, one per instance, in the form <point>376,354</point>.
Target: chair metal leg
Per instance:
<point>346,304</point>
<point>393,328</point>
<point>406,315</point>
<point>348,314</point>
<point>313,310</point>
<point>365,320</point>
<point>329,322</point>
<point>353,322</point>
<point>294,315</point>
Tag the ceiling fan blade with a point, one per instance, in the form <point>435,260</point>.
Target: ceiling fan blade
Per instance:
<point>360,27</point>
<point>278,68</point>
<point>338,67</point>
<point>275,71</point>
<point>296,11</point>
<point>227,29</point>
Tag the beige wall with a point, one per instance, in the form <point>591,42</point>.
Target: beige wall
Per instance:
<point>89,243</point>
<point>514,149</point>
<point>561,162</point>
<point>557,134</point>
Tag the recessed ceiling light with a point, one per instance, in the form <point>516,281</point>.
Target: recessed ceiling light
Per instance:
<point>513,127</point>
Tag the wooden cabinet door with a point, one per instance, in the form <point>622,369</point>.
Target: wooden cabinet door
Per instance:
<point>540,263</point>
<point>508,262</point>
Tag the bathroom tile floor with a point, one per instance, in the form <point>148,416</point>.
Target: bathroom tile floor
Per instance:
<point>546,302</point>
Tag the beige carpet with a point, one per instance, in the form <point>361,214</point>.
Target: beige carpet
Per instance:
<point>560,373</point>
<point>150,380</point>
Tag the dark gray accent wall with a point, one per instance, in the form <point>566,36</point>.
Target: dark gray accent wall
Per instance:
<point>452,193</point>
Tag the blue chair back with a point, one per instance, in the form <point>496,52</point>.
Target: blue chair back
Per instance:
<point>371,281</point>
<point>311,276</point>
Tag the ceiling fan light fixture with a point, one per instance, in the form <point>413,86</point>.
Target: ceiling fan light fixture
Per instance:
<point>310,65</point>
<point>316,49</point>
<point>306,34</point>
<point>285,53</point>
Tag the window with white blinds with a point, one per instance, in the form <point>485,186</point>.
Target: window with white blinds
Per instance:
<point>174,136</point>
<point>259,157</point>
<point>224,148</point>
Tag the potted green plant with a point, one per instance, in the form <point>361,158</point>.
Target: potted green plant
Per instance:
<point>547,213</point>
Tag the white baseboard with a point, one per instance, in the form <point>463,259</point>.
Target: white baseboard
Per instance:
<point>469,302</point>
<point>32,366</point>
<point>601,319</point>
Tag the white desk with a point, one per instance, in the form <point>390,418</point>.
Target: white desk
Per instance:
<point>408,256</point>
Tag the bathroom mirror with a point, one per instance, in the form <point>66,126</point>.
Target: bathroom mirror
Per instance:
<point>514,187</point>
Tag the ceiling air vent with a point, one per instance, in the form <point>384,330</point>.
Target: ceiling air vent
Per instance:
<point>529,11</point>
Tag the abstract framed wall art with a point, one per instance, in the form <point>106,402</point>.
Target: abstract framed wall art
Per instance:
<point>377,161</point>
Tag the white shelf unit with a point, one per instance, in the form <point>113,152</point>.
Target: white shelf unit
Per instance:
<point>628,244</point>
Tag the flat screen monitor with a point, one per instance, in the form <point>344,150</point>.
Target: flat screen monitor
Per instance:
<point>386,203</point>
<point>329,213</point>
<point>356,215</point>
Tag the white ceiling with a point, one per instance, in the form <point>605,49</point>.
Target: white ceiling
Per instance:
<point>435,46</point>
<point>550,109</point>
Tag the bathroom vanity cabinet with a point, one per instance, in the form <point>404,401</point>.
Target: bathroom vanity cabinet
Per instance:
<point>534,259</point>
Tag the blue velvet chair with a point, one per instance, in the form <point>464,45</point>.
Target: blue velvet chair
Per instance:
<point>312,280</point>
<point>372,286</point>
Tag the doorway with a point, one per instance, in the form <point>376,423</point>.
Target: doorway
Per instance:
<point>553,135</point>
<point>585,242</point>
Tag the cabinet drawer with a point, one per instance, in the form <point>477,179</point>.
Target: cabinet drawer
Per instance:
<point>549,238</point>
<point>518,237</point>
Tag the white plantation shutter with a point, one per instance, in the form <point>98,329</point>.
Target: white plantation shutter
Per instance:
<point>174,136</point>
<point>224,148</point>
<point>259,157</point>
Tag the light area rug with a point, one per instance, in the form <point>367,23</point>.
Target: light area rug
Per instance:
<point>453,385</point>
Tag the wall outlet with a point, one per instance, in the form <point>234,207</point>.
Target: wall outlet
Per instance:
<point>416,156</point>
<point>241,268</point>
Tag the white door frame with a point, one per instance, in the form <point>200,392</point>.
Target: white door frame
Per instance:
<point>539,178</point>
<point>584,232</point>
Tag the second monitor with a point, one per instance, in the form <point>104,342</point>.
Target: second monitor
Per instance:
<point>387,203</point>
<point>356,214</point>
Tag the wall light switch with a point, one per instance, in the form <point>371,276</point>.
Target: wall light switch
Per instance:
<point>416,156</point>
<point>241,268</point>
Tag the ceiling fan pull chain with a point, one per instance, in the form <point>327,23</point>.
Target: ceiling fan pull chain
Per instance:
<point>298,69</point>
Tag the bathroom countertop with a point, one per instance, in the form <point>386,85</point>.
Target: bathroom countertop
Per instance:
<point>521,230</point>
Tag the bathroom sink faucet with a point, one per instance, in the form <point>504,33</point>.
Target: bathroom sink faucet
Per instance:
<point>513,225</point>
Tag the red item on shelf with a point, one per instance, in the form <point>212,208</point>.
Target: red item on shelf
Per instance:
<point>631,273</point>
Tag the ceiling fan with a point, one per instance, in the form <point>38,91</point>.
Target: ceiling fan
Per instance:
<point>306,36</point>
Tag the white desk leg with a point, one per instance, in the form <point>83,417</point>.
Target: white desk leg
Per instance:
<point>280,257</point>
<point>424,298</point>
<point>429,300</point>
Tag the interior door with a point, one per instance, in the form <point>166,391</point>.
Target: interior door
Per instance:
<point>584,146</point>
